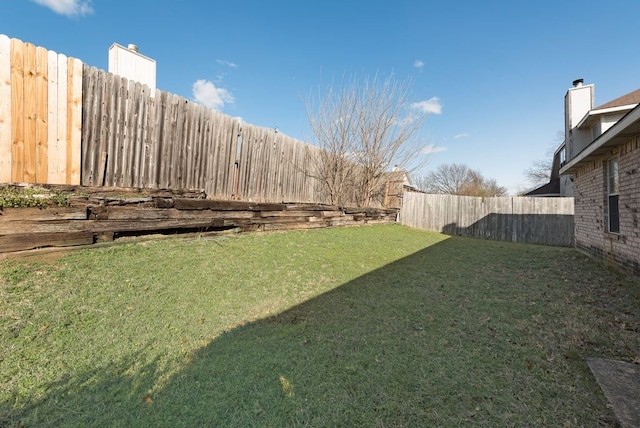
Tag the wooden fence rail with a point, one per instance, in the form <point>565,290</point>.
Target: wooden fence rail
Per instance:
<point>546,221</point>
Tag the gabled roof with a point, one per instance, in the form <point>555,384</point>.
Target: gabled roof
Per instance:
<point>552,188</point>
<point>621,104</point>
<point>625,129</point>
<point>630,98</point>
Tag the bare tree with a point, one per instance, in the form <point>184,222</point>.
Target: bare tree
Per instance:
<point>540,170</point>
<point>459,179</point>
<point>332,118</point>
<point>477,185</point>
<point>447,178</point>
<point>364,127</point>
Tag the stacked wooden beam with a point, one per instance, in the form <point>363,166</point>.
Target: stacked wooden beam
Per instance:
<point>93,219</point>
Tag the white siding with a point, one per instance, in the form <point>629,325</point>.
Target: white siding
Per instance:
<point>132,65</point>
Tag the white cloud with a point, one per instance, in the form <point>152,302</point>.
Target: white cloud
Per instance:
<point>227,63</point>
<point>432,149</point>
<point>430,106</point>
<point>206,93</point>
<point>418,64</point>
<point>463,135</point>
<point>68,7</point>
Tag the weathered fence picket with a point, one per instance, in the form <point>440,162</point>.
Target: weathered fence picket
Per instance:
<point>133,139</point>
<point>546,221</point>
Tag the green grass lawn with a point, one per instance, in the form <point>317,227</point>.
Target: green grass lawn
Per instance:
<point>369,326</point>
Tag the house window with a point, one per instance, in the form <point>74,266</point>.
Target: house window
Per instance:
<point>563,156</point>
<point>613,186</point>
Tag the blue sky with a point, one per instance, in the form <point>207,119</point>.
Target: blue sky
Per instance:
<point>493,72</point>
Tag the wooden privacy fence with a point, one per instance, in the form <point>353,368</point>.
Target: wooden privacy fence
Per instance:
<point>63,122</point>
<point>546,221</point>
<point>136,137</point>
<point>40,114</point>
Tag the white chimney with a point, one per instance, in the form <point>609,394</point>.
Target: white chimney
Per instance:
<point>577,103</point>
<point>129,63</point>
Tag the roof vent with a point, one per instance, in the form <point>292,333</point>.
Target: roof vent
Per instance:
<point>134,48</point>
<point>577,83</point>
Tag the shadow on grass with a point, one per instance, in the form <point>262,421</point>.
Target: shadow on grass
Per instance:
<point>545,229</point>
<point>449,335</point>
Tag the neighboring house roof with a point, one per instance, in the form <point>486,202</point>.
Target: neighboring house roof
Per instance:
<point>625,129</point>
<point>630,98</point>
<point>399,175</point>
<point>412,188</point>
<point>552,188</point>
<point>403,177</point>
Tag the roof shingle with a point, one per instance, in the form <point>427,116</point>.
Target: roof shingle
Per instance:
<point>630,98</point>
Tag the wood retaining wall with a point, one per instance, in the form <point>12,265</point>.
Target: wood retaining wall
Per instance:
<point>92,219</point>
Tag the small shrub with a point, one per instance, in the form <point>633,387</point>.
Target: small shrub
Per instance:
<point>12,197</point>
<point>59,199</point>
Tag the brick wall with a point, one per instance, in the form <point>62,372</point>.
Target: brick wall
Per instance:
<point>591,220</point>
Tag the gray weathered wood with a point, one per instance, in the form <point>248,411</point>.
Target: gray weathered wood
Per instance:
<point>135,136</point>
<point>39,214</point>
<point>95,219</point>
<point>546,221</point>
<point>28,241</point>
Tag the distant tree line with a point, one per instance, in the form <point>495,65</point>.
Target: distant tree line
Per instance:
<point>459,179</point>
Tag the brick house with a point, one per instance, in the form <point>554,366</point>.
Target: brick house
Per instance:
<point>601,156</point>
